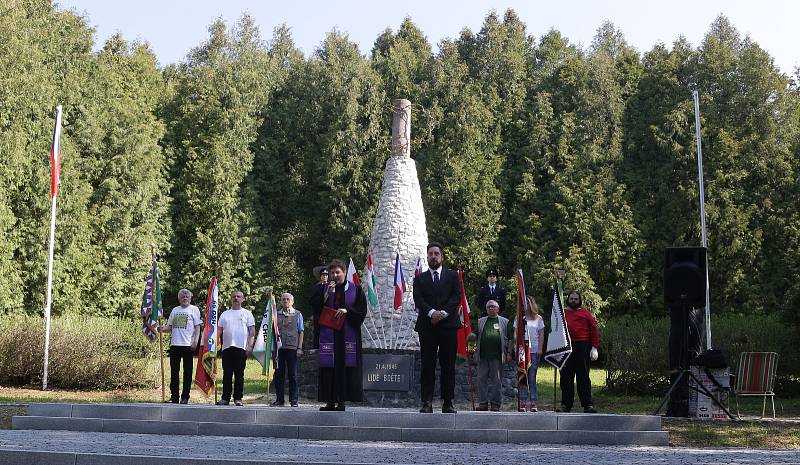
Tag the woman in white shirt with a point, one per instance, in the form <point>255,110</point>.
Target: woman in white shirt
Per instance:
<point>534,334</point>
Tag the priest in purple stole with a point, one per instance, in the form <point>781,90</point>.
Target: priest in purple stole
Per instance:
<point>340,350</point>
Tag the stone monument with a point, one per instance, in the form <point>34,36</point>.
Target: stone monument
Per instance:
<point>399,228</point>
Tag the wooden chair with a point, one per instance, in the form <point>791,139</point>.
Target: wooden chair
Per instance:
<point>755,376</point>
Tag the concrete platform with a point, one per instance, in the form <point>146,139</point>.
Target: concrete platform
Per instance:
<point>359,423</point>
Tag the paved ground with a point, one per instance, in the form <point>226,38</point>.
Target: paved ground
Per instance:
<point>304,451</point>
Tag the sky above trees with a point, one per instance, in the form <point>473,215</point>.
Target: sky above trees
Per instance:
<point>174,27</point>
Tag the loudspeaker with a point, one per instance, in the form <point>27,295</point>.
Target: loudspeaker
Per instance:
<point>685,277</point>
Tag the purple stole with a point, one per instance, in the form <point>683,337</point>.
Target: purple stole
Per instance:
<point>326,335</point>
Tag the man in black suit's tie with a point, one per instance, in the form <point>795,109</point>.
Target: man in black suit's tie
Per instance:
<point>437,293</point>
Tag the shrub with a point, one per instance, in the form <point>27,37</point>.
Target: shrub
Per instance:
<point>85,353</point>
<point>636,350</point>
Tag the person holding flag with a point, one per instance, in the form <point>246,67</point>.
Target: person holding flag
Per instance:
<point>340,311</point>
<point>585,339</point>
<point>237,331</point>
<point>437,295</point>
<point>184,324</point>
<point>534,336</point>
<point>290,328</point>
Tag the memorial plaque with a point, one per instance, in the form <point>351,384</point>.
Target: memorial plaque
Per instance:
<point>387,372</point>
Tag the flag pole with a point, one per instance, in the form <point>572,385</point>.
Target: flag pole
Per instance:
<point>560,275</point>
<point>268,360</point>
<point>56,177</point>
<point>702,211</point>
<point>160,341</point>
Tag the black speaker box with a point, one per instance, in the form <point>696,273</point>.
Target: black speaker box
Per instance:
<point>685,277</point>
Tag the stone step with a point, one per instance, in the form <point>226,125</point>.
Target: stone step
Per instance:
<point>35,457</point>
<point>354,417</point>
<point>341,432</point>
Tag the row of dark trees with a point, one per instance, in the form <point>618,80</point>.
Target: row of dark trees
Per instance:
<point>532,152</point>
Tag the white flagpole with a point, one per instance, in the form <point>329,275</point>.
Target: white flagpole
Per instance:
<point>702,212</point>
<point>48,305</point>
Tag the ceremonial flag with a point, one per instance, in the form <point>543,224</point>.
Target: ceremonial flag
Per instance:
<point>352,275</point>
<point>418,267</point>
<point>269,341</point>
<point>55,162</point>
<point>559,345</point>
<point>207,353</point>
<point>523,346</point>
<point>399,283</point>
<point>372,295</point>
<point>151,303</point>
<point>55,156</point>
<point>462,355</point>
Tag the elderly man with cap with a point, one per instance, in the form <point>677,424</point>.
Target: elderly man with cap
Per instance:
<point>492,291</point>
<point>321,272</point>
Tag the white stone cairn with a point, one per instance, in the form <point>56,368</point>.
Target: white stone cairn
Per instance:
<point>399,227</point>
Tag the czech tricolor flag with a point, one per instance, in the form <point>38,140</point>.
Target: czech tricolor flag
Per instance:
<point>399,283</point>
<point>55,156</point>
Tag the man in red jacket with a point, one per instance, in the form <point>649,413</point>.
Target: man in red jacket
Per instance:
<point>585,339</point>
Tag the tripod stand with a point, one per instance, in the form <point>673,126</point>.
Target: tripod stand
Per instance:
<point>684,370</point>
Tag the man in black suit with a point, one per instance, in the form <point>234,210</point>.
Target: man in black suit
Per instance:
<point>492,291</point>
<point>437,293</point>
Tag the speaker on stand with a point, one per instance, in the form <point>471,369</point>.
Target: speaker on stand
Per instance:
<point>685,296</point>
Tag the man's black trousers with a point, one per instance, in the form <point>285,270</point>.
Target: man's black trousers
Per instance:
<point>440,343</point>
<point>178,354</point>
<point>233,360</point>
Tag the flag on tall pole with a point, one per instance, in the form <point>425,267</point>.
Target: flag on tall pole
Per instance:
<point>523,346</point>
<point>399,283</point>
<point>55,156</point>
<point>418,267</point>
<point>55,162</point>
<point>206,374</point>
<point>462,355</point>
<point>559,345</point>
<point>269,341</point>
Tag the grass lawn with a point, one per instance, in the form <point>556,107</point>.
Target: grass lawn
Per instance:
<point>682,432</point>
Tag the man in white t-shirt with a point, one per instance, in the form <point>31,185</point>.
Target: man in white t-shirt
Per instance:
<point>184,324</point>
<point>237,331</point>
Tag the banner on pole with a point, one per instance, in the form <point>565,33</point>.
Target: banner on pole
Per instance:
<point>559,345</point>
<point>151,302</point>
<point>207,355</point>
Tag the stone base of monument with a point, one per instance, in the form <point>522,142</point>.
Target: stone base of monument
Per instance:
<point>357,423</point>
<point>391,379</point>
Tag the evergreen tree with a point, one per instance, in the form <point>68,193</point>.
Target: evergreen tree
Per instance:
<point>321,153</point>
<point>212,120</point>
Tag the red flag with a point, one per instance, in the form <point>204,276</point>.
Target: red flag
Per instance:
<point>55,156</point>
<point>523,348</point>
<point>352,274</point>
<point>418,268</point>
<point>462,356</point>
<point>206,373</point>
